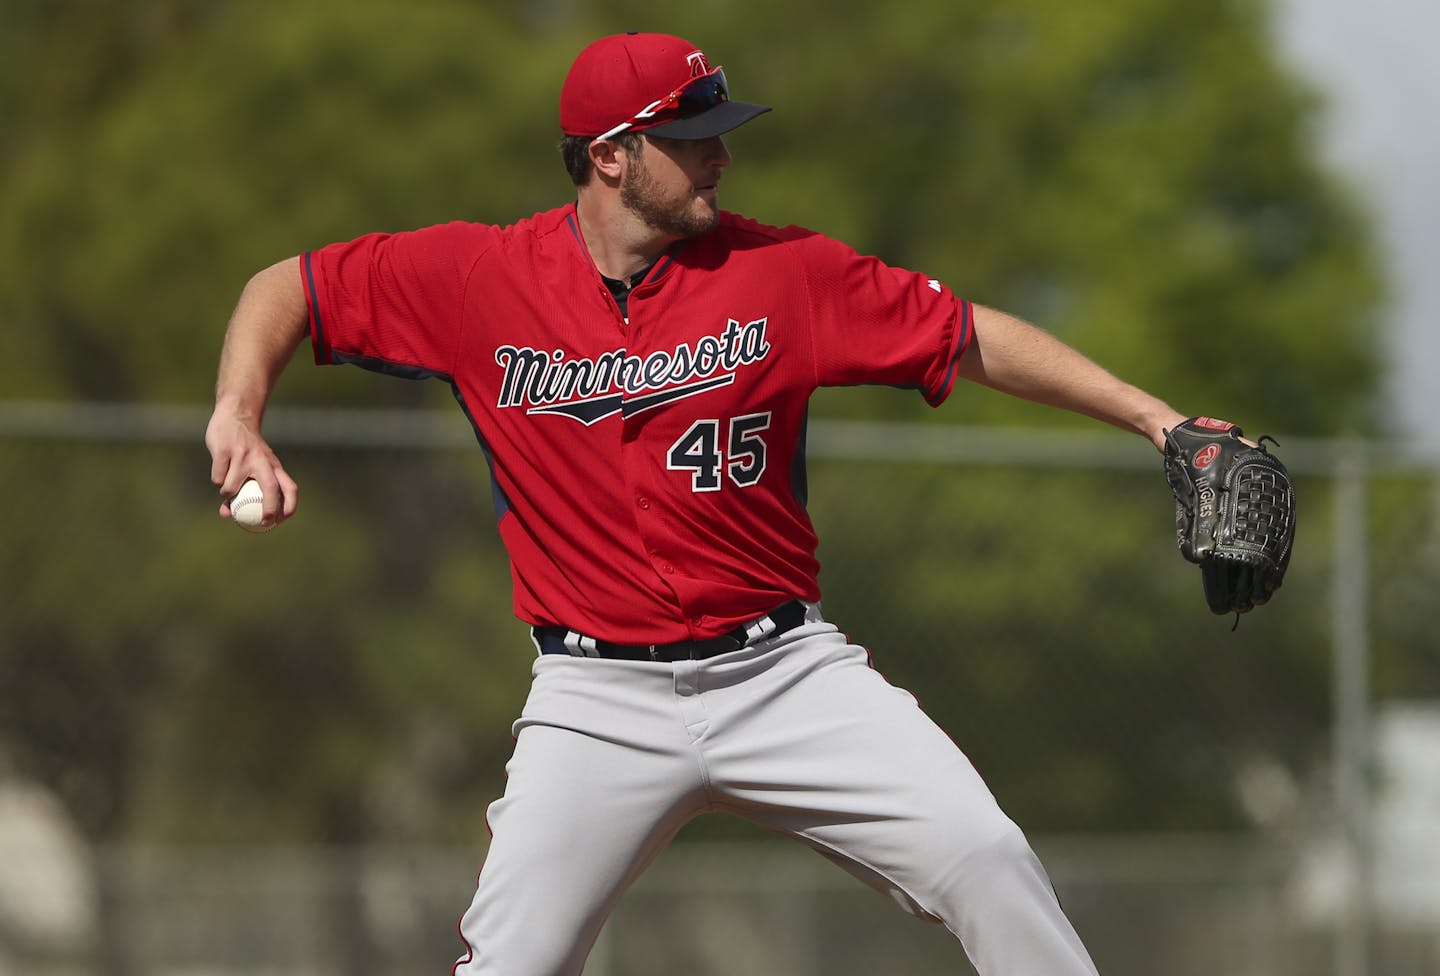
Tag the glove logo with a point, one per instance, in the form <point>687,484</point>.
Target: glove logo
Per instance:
<point>1206,456</point>
<point>1234,512</point>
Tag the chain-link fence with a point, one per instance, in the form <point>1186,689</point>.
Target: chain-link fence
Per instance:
<point>190,699</point>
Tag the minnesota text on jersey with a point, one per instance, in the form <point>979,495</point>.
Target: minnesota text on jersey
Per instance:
<point>590,390</point>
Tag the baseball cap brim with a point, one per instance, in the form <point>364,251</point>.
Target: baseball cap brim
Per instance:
<point>714,121</point>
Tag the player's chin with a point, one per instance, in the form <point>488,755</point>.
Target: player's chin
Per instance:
<point>705,210</point>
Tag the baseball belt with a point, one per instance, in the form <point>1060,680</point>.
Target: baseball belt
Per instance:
<point>559,640</point>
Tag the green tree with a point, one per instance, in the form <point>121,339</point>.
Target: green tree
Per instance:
<point>1133,176</point>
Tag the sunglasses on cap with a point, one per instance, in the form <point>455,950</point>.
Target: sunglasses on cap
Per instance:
<point>695,96</point>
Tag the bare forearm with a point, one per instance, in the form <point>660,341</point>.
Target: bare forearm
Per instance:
<point>267,325</point>
<point>1014,357</point>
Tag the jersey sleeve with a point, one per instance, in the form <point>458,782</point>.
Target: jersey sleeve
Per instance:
<point>392,302</point>
<point>872,323</point>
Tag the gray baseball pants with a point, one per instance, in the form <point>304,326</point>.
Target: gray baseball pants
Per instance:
<point>797,734</point>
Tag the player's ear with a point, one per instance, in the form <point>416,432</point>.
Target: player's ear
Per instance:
<point>609,159</point>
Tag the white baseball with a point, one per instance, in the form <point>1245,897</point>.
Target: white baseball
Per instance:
<point>247,508</point>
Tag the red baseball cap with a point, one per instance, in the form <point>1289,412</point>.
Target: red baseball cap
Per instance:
<point>654,83</point>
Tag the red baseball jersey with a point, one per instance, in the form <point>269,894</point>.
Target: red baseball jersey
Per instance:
<point>649,474</point>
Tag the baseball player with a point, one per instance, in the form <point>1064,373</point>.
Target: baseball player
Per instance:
<point>636,365</point>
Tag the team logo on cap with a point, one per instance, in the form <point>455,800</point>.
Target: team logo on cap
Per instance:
<point>699,67</point>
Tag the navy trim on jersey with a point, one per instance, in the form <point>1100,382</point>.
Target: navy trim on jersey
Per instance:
<point>405,371</point>
<point>497,494</point>
<point>574,226</point>
<point>377,365</point>
<point>315,328</point>
<point>799,471</point>
<point>663,265</point>
<point>938,396</point>
<point>654,272</point>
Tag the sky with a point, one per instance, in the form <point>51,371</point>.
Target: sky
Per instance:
<point>1381,132</point>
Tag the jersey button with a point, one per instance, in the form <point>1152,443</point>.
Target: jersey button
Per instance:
<point>667,568</point>
<point>645,504</point>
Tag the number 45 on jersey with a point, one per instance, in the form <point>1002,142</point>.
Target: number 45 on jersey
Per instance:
<point>702,452</point>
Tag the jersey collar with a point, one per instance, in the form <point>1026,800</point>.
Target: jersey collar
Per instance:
<point>656,271</point>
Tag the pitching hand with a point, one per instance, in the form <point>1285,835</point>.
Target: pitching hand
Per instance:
<point>238,452</point>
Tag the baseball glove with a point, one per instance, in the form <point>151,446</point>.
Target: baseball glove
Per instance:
<point>1234,512</point>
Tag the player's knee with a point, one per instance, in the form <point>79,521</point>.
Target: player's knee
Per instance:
<point>972,867</point>
<point>1003,845</point>
<point>999,857</point>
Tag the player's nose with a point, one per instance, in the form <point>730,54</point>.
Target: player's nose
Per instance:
<point>717,153</point>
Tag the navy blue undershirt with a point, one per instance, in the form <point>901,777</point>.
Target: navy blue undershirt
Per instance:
<point>621,289</point>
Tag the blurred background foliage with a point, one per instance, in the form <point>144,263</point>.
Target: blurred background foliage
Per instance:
<point>1135,176</point>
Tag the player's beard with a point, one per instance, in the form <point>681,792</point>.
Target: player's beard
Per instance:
<point>680,214</point>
